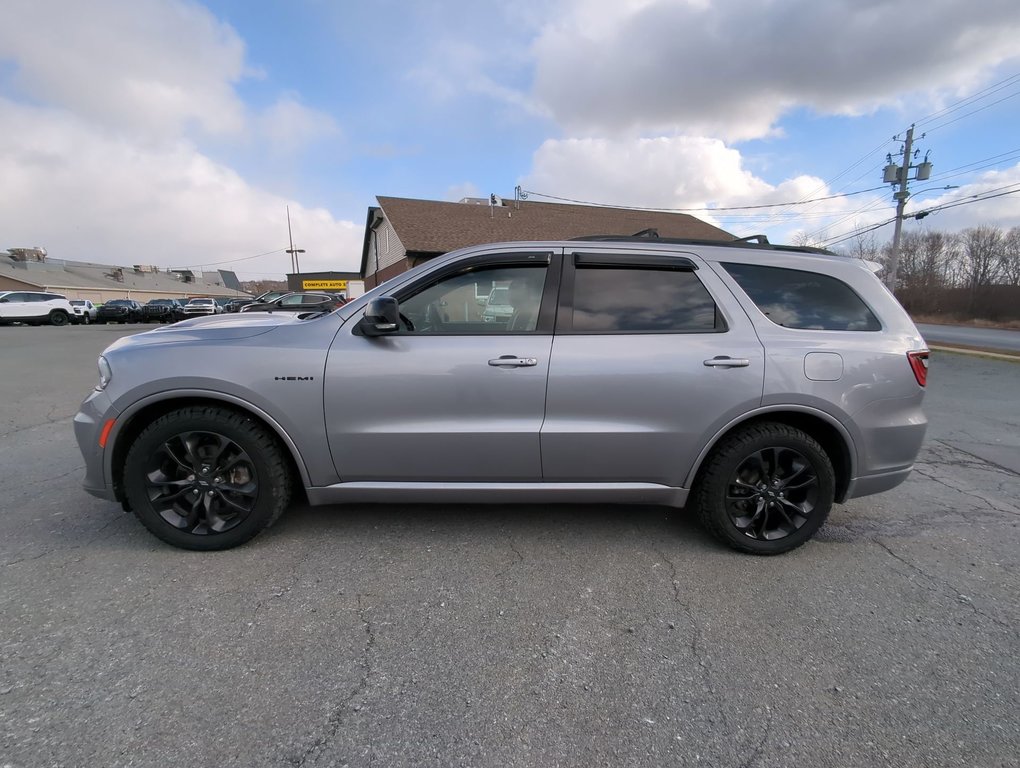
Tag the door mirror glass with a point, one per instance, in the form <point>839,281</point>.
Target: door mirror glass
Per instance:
<point>381,317</point>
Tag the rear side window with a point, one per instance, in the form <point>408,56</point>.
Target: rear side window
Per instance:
<point>794,298</point>
<point>641,300</point>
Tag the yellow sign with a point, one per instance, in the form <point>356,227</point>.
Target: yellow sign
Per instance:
<point>324,285</point>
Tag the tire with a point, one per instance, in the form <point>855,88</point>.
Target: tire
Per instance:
<point>85,319</point>
<point>59,318</point>
<point>765,489</point>
<point>197,505</point>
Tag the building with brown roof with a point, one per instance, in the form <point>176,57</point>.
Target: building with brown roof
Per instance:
<point>401,233</point>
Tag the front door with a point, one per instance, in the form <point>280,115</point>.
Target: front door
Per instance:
<point>457,394</point>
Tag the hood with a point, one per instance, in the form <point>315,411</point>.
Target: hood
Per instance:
<point>211,328</point>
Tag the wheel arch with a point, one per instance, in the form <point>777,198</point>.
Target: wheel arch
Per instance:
<point>134,419</point>
<point>827,430</point>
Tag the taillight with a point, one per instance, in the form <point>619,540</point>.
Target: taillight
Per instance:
<point>919,365</point>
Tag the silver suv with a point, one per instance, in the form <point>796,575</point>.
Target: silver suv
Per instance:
<point>757,384</point>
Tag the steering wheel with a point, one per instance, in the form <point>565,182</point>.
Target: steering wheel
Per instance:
<point>406,321</point>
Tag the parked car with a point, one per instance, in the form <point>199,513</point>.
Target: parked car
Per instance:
<point>497,306</point>
<point>162,311</point>
<point>120,311</point>
<point>297,302</point>
<point>234,305</point>
<point>35,308</point>
<point>757,384</point>
<point>84,311</point>
<point>199,307</point>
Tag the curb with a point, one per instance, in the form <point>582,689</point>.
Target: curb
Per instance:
<point>974,352</point>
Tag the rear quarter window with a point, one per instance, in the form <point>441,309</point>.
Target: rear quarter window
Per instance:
<point>796,298</point>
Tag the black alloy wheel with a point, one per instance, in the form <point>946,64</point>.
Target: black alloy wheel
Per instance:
<point>58,317</point>
<point>206,478</point>
<point>772,493</point>
<point>765,489</point>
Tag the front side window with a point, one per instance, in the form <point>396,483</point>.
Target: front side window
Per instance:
<point>795,298</point>
<point>499,299</point>
<point>642,300</point>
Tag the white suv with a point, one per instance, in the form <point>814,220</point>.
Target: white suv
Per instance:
<point>35,307</point>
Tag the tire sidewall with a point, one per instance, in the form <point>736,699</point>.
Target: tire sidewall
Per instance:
<point>241,430</point>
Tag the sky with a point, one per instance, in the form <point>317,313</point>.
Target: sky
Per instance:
<point>177,133</point>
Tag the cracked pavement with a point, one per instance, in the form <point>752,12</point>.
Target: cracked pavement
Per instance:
<point>510,636</point>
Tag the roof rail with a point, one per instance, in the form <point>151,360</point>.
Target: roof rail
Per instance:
<point>762,243</point>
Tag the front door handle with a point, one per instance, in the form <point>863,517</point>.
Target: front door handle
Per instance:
<point>722,361</point>
<point>512,361</point>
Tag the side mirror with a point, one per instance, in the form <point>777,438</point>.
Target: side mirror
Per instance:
<point>381,317</point>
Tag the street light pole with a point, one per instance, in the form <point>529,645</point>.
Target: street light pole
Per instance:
<point>295,267</point>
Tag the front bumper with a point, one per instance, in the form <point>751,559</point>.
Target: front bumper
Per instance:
<point>95,411</point>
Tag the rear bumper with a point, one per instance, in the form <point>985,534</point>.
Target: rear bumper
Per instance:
<point>883,481</point>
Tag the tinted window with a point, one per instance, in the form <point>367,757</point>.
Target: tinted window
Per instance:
<point>488,300</point>
<point>119,303</point>
<point>642,301</point>
<point>793,298</point>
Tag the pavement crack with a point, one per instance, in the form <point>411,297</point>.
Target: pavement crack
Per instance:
<point>988,503</point>
<point>753,757</point>
<point>520,558</point>
<point>695,642</point>
<point>943,586</point>
<point>976,462</point>
<point>337,715</point>
<point>295,577</point>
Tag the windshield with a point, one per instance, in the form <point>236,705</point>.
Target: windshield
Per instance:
<point>159,301</point>
<point>78,302</point>
<point>118,303</point>
<point>201,301</point>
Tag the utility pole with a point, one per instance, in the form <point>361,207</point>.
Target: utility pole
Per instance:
<point>900,174</point>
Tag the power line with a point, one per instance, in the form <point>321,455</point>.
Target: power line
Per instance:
<point>972,112</point>
<point>973,98</point>
<point>980,197</point>
<point>234,261</point>
<point>704,209</point>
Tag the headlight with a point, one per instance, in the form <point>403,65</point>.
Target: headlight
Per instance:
<point>105,372</point>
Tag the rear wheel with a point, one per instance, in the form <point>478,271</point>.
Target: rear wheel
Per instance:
<point>206,478</point>
<point>765,489</point>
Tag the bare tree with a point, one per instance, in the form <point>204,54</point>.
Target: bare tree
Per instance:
<point>1009,258</point>
<point>981,248</point>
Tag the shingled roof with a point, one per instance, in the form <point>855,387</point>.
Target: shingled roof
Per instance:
<point>431,227</point>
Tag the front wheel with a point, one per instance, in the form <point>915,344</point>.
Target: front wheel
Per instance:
<point>765,489</point>
<point>206,478</point>
<point>59,318</point>
<point>86,319</point>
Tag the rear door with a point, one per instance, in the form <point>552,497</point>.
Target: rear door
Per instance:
<point>651,356</point>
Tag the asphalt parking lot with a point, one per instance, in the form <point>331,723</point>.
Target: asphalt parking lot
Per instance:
<point>509,636</point>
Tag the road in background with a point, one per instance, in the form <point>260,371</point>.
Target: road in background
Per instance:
<point>988,338</point>
<point>404,635</point>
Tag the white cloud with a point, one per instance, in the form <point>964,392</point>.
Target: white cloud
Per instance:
<point>697,172</point>
<point>668,172</point>
<point>731,68</point>
<point>146,67</point>
<point>86,195</point>
<point>100,139</point>
<point>290,126</point>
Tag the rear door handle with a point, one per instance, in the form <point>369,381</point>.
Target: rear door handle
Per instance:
<point>512,361</point>
<point>727,362</point>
